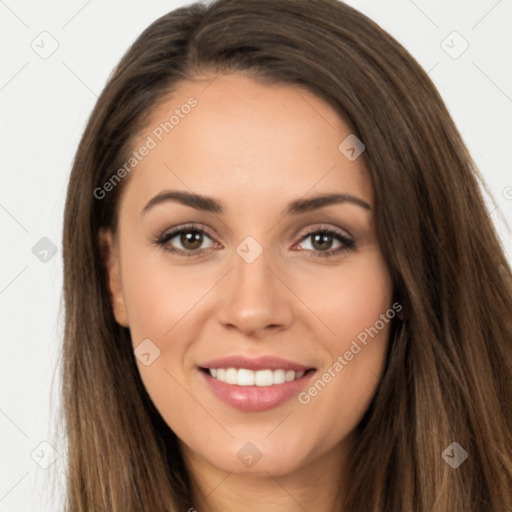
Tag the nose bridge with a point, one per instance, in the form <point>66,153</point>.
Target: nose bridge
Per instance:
<point>254,298</point>
<point>251,272</point>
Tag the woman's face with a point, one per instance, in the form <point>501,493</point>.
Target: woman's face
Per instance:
<point>262,341</point>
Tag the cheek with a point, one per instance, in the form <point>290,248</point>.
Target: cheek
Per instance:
<point>158,295</point>
<point>160,302</point>
<point>347,299</point>
<point>356,307</point>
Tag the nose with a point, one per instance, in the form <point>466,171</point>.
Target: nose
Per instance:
<point>254,299</point>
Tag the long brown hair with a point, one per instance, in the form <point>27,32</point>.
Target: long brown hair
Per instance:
<point>448,375</point>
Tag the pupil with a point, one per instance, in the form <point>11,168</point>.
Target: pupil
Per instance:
<point>321,240</point>
<point>187,239</point>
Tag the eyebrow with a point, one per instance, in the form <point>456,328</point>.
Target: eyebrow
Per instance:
<point>209,204</point>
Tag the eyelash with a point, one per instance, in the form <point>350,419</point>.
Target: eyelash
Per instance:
<point>163,239</point>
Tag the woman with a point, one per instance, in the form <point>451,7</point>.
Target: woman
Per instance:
<point>283,290</point>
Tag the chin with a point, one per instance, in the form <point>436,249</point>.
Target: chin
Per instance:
<point>256,456</point>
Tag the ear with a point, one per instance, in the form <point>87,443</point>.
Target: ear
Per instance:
<point>110,254</point>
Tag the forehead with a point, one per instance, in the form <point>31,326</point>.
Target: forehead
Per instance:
<point>232,135</point>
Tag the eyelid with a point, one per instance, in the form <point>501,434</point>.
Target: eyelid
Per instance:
<point>188,226</point>
<point>326,227</point>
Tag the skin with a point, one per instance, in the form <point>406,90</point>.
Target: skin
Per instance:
<point>255,148</point>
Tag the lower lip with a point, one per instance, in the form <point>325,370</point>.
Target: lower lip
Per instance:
<point>256,398</point>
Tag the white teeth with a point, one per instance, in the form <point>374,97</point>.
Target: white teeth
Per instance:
<point>278,376</point>
<point>245,377</point>
<point>231,376</point>
<point>263,378</point>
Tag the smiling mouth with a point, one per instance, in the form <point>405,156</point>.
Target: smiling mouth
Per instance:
<point>255,390</point>
<point>252,383</point>
<point>262,378</point>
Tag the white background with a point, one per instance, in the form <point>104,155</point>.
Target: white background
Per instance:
<point>45,104</point>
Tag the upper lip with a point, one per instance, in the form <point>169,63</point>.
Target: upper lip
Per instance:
<point>255,363</point>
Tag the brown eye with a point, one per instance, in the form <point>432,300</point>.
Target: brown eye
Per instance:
<point>191,239</point>
<point>322,240</point>
<point>186,241</point>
